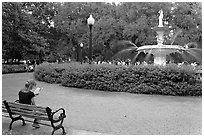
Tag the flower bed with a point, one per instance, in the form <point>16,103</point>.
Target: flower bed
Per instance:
<point>142,79</point>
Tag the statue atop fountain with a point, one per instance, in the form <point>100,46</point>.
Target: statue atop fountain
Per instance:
<point>161,29</point>
<point>161,18</point>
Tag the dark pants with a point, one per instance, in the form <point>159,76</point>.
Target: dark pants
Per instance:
<point>36,121</point>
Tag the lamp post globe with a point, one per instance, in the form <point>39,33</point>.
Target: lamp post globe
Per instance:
<point>80,54</point>
<point>90,22</point>
<point>81,45</point>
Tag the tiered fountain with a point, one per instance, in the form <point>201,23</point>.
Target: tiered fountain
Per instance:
<point>160,51</point>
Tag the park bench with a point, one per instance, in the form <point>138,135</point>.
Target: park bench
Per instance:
<point>17,110</point>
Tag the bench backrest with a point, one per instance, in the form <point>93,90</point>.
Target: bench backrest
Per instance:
<point>29,111</point>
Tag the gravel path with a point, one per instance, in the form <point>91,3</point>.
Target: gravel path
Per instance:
<point>99,112</point>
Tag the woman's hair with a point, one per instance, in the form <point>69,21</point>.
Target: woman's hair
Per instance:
<point>30,84</point>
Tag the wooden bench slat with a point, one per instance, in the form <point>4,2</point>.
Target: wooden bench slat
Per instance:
<point>26,108</point>
<point>4,110</point>
<point>31,116</point>
<point>27,111</point>
<point>24,111</point>
<point>29,107</point>
<point>30,110</point>
<point>20,104</point>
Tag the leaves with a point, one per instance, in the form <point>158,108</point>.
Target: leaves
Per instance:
<point>59,27</point>
<point>149,79</point>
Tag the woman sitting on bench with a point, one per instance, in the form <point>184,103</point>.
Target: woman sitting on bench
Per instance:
<point>27,94</point>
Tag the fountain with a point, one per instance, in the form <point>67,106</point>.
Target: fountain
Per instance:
<point>158,53</point>
<point>160,50</point>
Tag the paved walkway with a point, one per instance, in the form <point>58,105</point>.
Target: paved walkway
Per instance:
<point>99,112</point>
<point>43,130</point>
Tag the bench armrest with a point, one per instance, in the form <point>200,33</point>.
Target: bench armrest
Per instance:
<point>51,114</point>
<point>61,116</point>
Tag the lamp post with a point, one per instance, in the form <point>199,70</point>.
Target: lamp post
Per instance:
<point>81,47</point>
<point>73,54</point>
<point>90,22</point>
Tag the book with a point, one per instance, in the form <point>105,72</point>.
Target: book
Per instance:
<point>37,90</point>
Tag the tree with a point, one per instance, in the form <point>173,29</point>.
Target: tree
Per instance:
<point>24,30</point>
<point>32,28</point>
<point>187,17</point>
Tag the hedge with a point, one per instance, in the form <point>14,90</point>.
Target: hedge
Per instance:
<point>7,68</point>
<point>142,79</point>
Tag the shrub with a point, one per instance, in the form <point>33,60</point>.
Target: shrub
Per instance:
<point>7,68</point>
<point>149,79</point>
<point>50,73</point>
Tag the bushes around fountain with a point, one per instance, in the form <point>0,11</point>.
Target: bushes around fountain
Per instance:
<point>142,79</point>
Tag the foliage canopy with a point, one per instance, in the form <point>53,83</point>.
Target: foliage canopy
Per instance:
<point>35,30</point>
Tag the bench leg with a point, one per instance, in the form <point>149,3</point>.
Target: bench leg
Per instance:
<point>15,119</point>
<point>63,131</point>
<point>56,128</point>
<point>53,131</point>
<point>23,121</point>
<point>10,126</point>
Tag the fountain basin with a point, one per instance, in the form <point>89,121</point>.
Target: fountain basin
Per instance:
<point>146,47</point>
<point>160,51</point>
